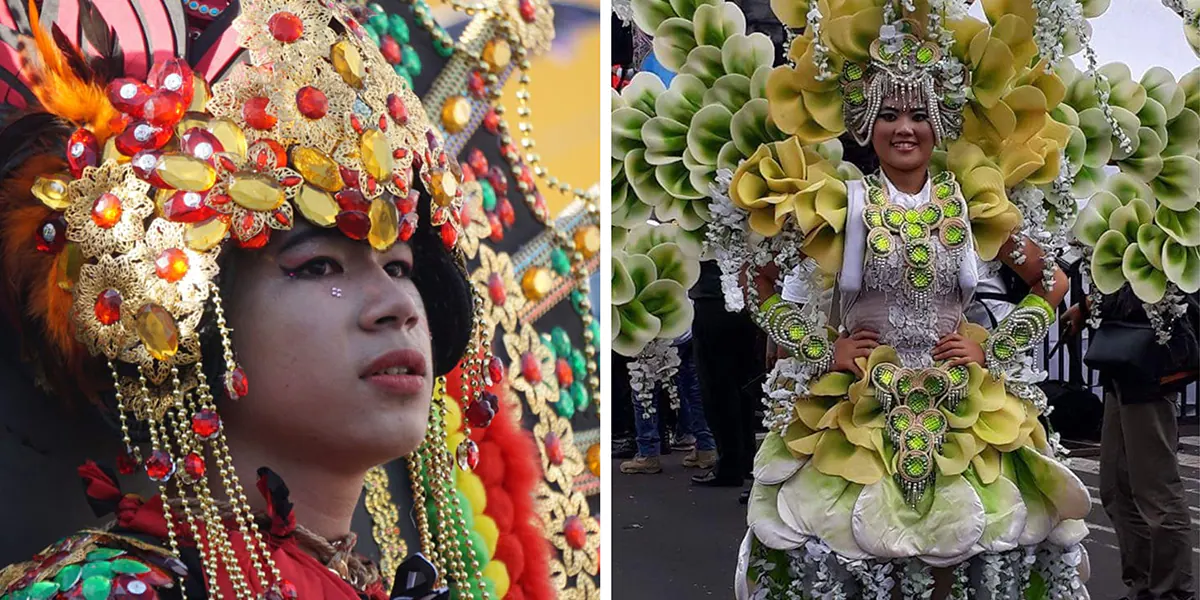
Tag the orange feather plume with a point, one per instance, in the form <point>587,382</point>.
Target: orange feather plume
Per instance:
<point>62,89</point>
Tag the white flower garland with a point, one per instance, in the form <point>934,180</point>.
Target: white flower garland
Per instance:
<point>820,50</point>
<point>1102,87</point>
<point>624,10</point>
<point>1165,312</point>
<point>1055,18</point>
<point>726,239</point>
<point>656,365</point>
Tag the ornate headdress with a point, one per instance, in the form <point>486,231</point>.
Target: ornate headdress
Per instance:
<point>911,72</point>
<point>117,244</point>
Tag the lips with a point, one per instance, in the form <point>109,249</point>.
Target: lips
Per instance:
<point>905,146</point>
<point>399,372</point>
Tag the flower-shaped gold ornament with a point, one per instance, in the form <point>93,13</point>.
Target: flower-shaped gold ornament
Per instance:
<point>585,589</point>
<point>531,368</point>
<point>106,298</point>
<point>575,533</point>
<point>253,97</point>
<point>497,280</point>
<point>284,32</point>
<point>533,22</point>
<point>561,461</point>
<point>109,206</point>
<point>474,221</point>
<point>256,192</point>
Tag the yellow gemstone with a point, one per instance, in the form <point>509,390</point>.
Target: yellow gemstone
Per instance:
<point>111,152</point>
<point>497,54</point>
<point>205,235</point>
<point>317,168</point>
<point>587,241</point>
<point>52,191</point>
<point>67,265</point>
<point>232,139</point>
<point>537,283</point>
<point>256,192</point>
<point>184,172</point>
<point>318,206</point>
<point>456,114</point>
<point>593,459</point>
<point>385,224</point>
<point>191,120</point>
<point>443,186</point>
<point>200,94</point>
<point>376,155</point>
<point>157,330</point>
<point>348,63</point>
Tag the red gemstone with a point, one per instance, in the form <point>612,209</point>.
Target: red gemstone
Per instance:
<point>175,75</point>
<point>141,135</point>
<point>477,160</point>
<point>475,84</point>
<point>159,466</point>
<point>236,384</point>
<point>495,370</point>
<point>526,178</point>
<point>468,174</point>
<point>408,203</point>
<point>291,180</point>
<point>554,449</point>
<point>145,166</point>
<point>193,465</point>
<point>125,463</point>
<point>106,210</point>
<point>312,102</point>
<point>397,109</point>
<point>509,151</point>
<point>371,185</point>
<point>497,228</point>
<point>449,235</point>
<point>356,123</point>
<point>539,205</point>
<point>164,108</point>
<point>528,10</point>
<point>498,179</point>
<point>201,143</point>
<point>286,589</point>
<point>496,289</point>
<point>354,223</point>
<point>108,307</point>
<point>254,111</point>
<point>206,423</point>
<point>390,49</point>
<point>285,26</point>
<point>270,153</point>
<point>83,150</point>
<point>156,578</point>
<point>531,370</point>
<point>575,532</point>
<point>505,208</point>
<point>480,413</point>
<point>52,235</point>
<point>562,370</point>
<point>467,455</point>
<point>171,265</point>
<point>352,200</point>
<point>255,241</point>
<point>186,207</point>
<point>128,95</point>
<point>408,226</point>
<point>492,122</point>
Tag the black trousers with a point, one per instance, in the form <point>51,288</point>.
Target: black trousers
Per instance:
<point>621,403</point>
<point>729,361</point>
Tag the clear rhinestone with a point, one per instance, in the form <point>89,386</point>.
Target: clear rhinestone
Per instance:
<point>77,149</point>
<point>143,132</point>
<point>147,162</point>
<point>203,150</point>
<point>48,232</point>
<point>128,91</point>
<point>192,199</point>
<point>136,587</point>
<point>173,82</point>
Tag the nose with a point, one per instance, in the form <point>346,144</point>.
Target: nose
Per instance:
<point>389,303</point>
<point>905,125</point>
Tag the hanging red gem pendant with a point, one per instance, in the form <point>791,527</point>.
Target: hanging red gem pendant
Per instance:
<point>467,455</point>
<point>125,463</point>
<point>159,466</point>
<point>206,424</point>
<point>236,384</point>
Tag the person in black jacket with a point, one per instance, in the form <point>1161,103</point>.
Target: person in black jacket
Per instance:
<point>1140,485</point>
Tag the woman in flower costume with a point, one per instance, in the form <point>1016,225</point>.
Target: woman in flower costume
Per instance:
<point>171,184</point>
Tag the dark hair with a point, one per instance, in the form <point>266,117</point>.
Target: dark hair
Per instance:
<point>863,157</point>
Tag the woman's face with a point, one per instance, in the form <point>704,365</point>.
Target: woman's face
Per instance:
<point>903,139</point>
<point>335,343</point>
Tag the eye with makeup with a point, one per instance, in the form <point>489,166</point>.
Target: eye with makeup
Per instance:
<point>315,268</point>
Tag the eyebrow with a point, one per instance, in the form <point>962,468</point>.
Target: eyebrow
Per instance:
<point>311,233</point>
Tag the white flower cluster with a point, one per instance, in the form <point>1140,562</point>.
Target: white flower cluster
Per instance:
<point>1059,569</point>
<point>787,381</point>
<point>1102,88</point>
<point>1165,312</point>
<point>961,588</point>
<point>1190,17</point>
<point>874,578</point>
<point>917,581</point>
<point>656,365</point>
<point>727,239</point>
<point>1055,18</point>
<point>820,50</point>
<point>624,10</point>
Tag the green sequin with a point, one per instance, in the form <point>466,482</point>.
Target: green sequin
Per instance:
<point>815,348</point>
<point>904,384</point>
<point>915,230</point>
<point>917,400</point>
<point>580,396</point>
<point>876,196</point>
<point>930,214</point>
<point>954,235</point>
<point>489,195</point>
<point>97,569</point>
<point>104,554</point>
<point>398,27</point>
<point>96,587</point>
<point>884,375</point>
<point>916,441</point>
<point>901,421</point>
<point>561,342</point>
<point>873,216</point>
<point>578,365</point>
<point>853,71</point>
<point>881,244</point>
<point>68,576</point>
<point>410,60</point>
<point>856,96</point>
<point>952,209</point>
<point>920,278</point>
<point>919,255</point>
<point>935,384</point>
<point>916,466</point>
<point>893,216</point>
<point>943,191</point>
<point>958,374</point>
<point>129,566</point>
<point>565,407</point>
<point>42,590</point>
<point>924,55</point>
<point>934,422</point>
<point>1003,348</point>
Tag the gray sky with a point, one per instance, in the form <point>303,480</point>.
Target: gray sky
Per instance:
<point>1139,33</point>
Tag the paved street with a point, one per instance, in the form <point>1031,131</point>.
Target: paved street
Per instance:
<point>675,541</point>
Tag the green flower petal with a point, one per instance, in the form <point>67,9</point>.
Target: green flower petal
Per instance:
<point>627,131</point>
<point>1183,134</point>
<point>751,127</point>
<point>1128,122</point>
<point>716,23</point>
<point>687,8</point>
<point>744,54</point>
<point>1127,187</point>
<point>666,139</point>
<point>762,516</point>
<point>709,132</point>
<point>1145,163</point>
<point>1060,486</point>
<point>676,180</point>
<point>637,328</point>
<point>730,91</point>
<point>668,301</point>
<point>704,62</point>
<point>1178,184</point>
<point>1129,217</point>
<point>672,263</point>
<point>774,463</point>
<point>730,156</point>
<point>1106,262</point>
<point>623,287</point>
<point>1125,92</point>
<point>1099,137</point>
<point>641,269</point>
<point>1150,238</point>
<point>1148,283</point>
<point>640,175</point>
<point>1160,85</point>
<point>822,504</point>
<point>1003,510</point>
<point>946,524</point>
<point>682,99</point>
<point>648,14</point>
<point>758,82</point>
<point>642,92</point>
<point>1182,265</point>
<point>1092,221</point>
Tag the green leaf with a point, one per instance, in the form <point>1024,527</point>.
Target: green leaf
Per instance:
<point>1182,265</point>
<point>1148,284</point>
<point>667,300</point>
<point>673,264</point>
<point>1106,262</point>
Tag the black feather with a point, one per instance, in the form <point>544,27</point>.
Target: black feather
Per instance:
<point>74,56</point>
<point>24,135</point>
<point>101,37</point>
